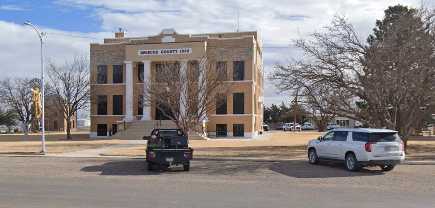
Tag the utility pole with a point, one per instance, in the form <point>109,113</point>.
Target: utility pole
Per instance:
<point>295,109</point>
<point>41,35</point>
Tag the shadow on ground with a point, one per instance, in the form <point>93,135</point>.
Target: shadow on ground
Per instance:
<point>302,169</point>
<point>243,167</point>
<point>121,167</point>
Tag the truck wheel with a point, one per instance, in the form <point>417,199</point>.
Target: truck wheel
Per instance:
<point>351,162</point>
<point>186,167</point>
<point>150,166</point>
<point>387,167</point>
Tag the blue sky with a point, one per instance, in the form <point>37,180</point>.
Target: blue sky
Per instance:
<point>51,14</point>
<point>71,25</point>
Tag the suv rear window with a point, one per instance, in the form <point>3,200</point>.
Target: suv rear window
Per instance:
<point>374,137</point>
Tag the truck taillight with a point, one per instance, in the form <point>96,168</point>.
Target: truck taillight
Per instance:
<point>187,155</point>
<point>368,146</point>
<point>151,154</point>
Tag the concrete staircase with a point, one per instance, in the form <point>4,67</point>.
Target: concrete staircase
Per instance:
<point>137,129</point>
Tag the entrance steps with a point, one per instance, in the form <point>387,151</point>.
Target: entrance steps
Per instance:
<point>135,130</point>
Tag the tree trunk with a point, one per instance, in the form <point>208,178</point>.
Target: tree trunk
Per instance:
<point>405,145</point>
<point>68,129</point>
<point>25,129</point>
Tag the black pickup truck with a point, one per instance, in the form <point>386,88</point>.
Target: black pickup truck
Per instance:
<point>166,147</point>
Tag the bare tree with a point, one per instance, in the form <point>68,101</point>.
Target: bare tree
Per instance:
<point>70,88</point>
<point>186,92</point>
<point>8,118</point>
<point>384,82</point>
<point>16,94</point>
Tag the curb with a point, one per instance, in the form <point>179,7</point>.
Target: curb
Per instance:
<point>250,159</point>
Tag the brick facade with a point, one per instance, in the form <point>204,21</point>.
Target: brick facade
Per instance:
<point>227,47</point>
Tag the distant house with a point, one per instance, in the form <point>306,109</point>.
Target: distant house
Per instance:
<point>54,116</point>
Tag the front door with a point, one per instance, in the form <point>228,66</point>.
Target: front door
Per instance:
<point>336,148</point>
<point>323,145</point>
<point>114,129</point>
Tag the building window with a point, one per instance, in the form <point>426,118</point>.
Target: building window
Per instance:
<point>238,103</point>
<point>238,70</point>
<point>118,74</point>
<point>101,129</point>
<point>221,70</point>
<point>194,72</point>
<point>140,71</point>
<point>55,125</point>
<point>221,130</point>
<point>221,104</point>
<point>102,105</point>
<point>117,105</point>
<point>140,104</point>
<point>101,74</point>
<point>162,70</point>
<point>238,130</point>
<point>163,112</point>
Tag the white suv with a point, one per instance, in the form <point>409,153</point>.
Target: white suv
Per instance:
<point>358,147</point>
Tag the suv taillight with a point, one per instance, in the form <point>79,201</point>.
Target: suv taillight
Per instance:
<point>368,146</point>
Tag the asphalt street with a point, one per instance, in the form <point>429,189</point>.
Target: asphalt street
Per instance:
<point>88,182</point>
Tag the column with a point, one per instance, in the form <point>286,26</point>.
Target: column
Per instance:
<point>128,91</point>
<point>183,81</point>
<point>146,77</point>
<point>202,85</point>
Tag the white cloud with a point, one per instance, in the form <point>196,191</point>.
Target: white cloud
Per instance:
<point>20,48</point>
<point>11,7</point>
<point>278,21</point>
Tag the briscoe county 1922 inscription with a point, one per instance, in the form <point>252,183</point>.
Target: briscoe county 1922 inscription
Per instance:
<point>165,51</point>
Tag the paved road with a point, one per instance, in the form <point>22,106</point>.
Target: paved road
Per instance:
<point>84,182</point>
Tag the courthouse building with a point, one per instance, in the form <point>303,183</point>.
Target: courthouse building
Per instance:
<point>120,65</point>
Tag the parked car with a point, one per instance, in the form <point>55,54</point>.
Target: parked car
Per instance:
<point>358,147</point>
<point>4,129</point>
<point>332,126</point>
<point>307,126</point>
<point>166,147</point>
<point>291,127</point>
<point>266,127</point>
<point>280,126</point>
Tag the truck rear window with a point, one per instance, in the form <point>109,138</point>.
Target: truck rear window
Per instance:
<point>374,137</point>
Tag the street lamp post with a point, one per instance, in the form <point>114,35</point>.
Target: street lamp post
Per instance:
<point>41,35</point>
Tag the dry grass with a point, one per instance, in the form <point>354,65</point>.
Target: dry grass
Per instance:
<point>50,136</point>
<point>33,147</point>
<point>269,148</point>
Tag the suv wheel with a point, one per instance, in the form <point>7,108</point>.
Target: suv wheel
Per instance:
<point>387,167</point>
<point>351,162</point>
<point>312,156</point>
